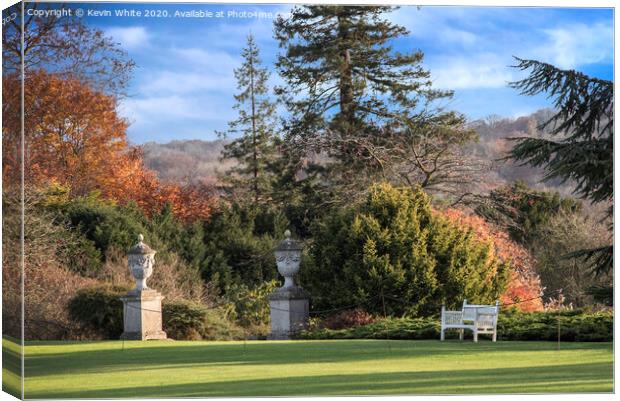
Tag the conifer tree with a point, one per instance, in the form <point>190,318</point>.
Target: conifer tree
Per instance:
<point>582,148</point>
<point>356,104</point>
<point>393,254</point>
<point>255,148</point>
<point>344,79</point>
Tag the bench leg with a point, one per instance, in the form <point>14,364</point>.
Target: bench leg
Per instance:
<point>494,336</point>
<point>475,336</point>
<point>461,334</point>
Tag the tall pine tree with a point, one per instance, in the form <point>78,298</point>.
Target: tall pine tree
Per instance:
<point>582,147</point>
<point>255,147</point>
<point>345,80</point>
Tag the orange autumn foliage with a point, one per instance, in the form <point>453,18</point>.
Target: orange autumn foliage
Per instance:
<point>524,288</point>
<point>74,137</point>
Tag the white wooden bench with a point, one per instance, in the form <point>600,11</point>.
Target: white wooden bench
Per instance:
<point>480,319</point>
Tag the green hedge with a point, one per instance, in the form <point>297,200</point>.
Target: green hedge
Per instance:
<point>538,326</point>
<point>575,325</point>
<point>390,328</point>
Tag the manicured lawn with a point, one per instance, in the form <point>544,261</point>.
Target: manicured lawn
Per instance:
<point>341,367</point>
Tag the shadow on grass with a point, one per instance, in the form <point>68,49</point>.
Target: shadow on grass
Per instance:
<point>116,356</point>
<point>592,377</point>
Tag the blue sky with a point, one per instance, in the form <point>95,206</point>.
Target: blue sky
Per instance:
<point>183,85</point>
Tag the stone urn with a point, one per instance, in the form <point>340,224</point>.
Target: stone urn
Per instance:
<point>289,305</point>
<point>141,259</point>
<point>142,312</point>
<point>288,257</point>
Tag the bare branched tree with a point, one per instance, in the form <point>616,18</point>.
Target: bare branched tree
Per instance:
<point>434,154</point>
<point>64,45</point>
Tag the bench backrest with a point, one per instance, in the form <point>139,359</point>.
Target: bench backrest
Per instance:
<point>486,315</point>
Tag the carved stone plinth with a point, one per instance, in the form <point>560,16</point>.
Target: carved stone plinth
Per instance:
<point>142,315</point>
<point>289,311</point>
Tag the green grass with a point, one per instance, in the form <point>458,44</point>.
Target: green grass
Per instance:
<point>111,369</point>
<point>11,367</point>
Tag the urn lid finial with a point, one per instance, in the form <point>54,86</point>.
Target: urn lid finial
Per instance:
<point>288,243</point>
<point>141,248</point>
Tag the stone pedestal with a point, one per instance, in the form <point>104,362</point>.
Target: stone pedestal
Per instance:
<point>142,315</point>
<point>289,311</point>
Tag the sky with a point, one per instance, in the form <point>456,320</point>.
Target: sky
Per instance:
<point>183,85</point>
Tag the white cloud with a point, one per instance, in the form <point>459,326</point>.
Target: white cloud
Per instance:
<point>206,71</point>
<point>131,38</point>
<point>184,83</point>
<point>212,60</point>
<point>154,112</point>
<point>461,36</point>
<point>578,45</point>
<point>476,71</point>
<point>158,106</point>
<point>435,23</point>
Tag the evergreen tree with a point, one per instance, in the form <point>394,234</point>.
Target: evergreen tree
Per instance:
<point>345,80</point>
<point>256,147</point>
<point>583,126</point>
<point>523,211</point>
<point>392,253</point>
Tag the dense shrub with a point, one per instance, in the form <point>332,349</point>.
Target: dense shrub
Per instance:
<point>183,320</point>
<point>517,326</point>
<point>347,319</point>
<point>219,326</point>
<point>99,310</point>
<point>103,223</point>
<point>239,243</point>
<point>393,253</point>
<point>105,228</point>
<point>251,305</point>
<point>49,285</point>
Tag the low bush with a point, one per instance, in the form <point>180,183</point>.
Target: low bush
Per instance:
<point>99,310</point>
<point>389,328</point>
<point>250,306</point>
<point>347,319</point>
<point>576,325</point>
<point>184,320</point>
<point>219,326</point>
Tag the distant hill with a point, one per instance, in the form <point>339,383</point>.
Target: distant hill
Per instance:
<point>193,160</point>
<point>186,160</point>
<point>494,144</point>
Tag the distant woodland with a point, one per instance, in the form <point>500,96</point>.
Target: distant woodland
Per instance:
<point>200,160</point>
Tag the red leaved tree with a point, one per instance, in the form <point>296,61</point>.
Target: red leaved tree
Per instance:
<point>524,289</point>
<point>74,137</point>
